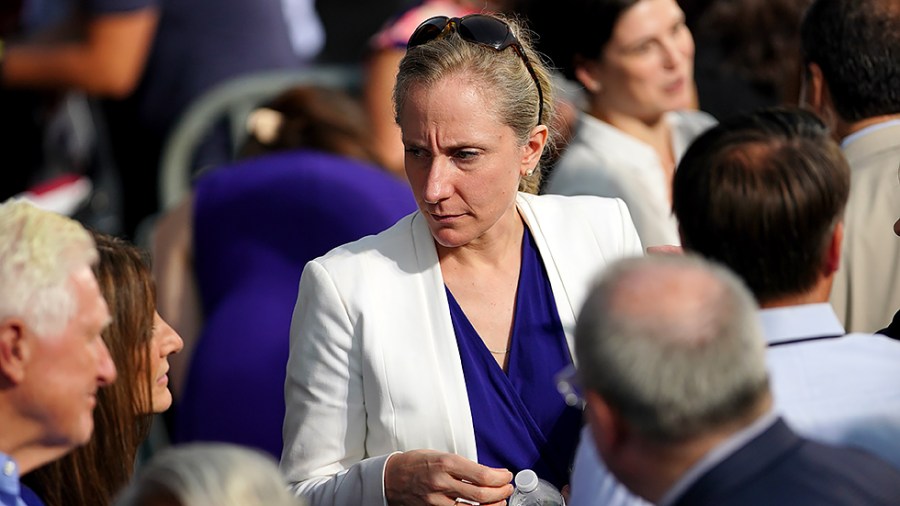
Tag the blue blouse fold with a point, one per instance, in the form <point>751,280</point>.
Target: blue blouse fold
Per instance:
<point>520,420</point>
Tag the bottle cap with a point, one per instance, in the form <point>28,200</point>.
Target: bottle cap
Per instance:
<point>526,480</point>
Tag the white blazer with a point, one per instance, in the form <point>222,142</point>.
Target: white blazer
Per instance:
<point>374,366</point>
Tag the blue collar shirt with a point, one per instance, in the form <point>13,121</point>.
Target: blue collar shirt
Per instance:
<point>833,387</point>
<point>9,482</point>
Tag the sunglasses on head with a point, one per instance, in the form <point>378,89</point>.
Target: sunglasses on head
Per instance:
<point>479,29</point>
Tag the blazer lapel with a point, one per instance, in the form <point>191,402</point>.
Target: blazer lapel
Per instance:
<point>564,273</point>
<point>440,334</point>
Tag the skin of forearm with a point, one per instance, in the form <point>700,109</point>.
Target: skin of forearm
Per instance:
<point>107,62</point>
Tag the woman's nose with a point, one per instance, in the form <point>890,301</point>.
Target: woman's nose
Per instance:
<point>172,341</point>
<point>437,184</point>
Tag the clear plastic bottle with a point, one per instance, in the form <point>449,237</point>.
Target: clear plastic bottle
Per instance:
<point>533,491</point>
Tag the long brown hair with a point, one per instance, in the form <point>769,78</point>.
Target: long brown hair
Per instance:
<point>95,472</point>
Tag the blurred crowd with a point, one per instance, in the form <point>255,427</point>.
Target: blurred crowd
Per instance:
<point>305,252</point>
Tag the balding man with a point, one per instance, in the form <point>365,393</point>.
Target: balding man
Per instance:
<point>678,399</point>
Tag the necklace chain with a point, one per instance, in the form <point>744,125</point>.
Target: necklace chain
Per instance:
<point>499,352</point>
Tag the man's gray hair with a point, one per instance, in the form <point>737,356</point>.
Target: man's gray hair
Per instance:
<point>39,252</point>
<point>673,343</point>
<point>204,474</point>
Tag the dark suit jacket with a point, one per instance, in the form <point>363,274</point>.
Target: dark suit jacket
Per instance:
<point>892,330</point>
<point>779,467</point>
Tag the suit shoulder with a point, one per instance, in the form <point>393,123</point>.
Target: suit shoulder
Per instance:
<point>590,206</point>
<point>367,249</point>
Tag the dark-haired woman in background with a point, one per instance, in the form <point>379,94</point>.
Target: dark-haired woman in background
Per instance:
<point>635,59</point>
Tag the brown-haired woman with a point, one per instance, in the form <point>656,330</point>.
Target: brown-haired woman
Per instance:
<point>140,343</point>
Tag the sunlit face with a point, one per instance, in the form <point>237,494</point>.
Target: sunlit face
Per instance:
<point>463,164</point>
<point>66,369</point>
<point>165,341</point>
<point>647,67</point>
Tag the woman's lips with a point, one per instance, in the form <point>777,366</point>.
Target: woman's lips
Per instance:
<point>675,86</point>
<point>444,218</point>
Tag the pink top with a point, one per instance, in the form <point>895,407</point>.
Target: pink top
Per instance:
<point>397,30</point>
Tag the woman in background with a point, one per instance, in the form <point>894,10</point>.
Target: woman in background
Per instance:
<point>140,343</point>
<point>635,61</point>
<point>228,259</point>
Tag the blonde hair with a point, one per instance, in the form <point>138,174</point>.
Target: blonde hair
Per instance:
<point>39,251</point>
<point>501,73</point>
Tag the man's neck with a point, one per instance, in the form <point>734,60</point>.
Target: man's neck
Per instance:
<point>819,293</point>
<point>21,442</point>
<point>843,129</point>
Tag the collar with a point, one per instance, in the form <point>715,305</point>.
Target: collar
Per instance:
<point>798,322</point>
<point>9,481</point>
<point>637,152</point>
<point>868,130</point>
<point>717,455</point>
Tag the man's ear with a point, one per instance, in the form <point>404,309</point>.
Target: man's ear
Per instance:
<point>14,351</point>
<point>607,427</point>
<point>832,260</point>
<point>812,88</point>
<point>815,96</point>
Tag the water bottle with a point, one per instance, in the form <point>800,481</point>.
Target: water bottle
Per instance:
<point>533,491</point>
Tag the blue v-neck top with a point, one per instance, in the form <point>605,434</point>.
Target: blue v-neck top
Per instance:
<point>519,417</point>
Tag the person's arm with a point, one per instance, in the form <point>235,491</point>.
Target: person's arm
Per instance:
<point>178,301</point>
<point>108,61</point>
<point>325,456</point>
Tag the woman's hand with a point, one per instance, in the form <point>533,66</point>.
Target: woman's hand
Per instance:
<point>438,478</point>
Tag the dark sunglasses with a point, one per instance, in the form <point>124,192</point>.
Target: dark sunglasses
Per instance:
<point>479,29</point>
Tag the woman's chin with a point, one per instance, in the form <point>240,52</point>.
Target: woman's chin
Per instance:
<point>161,402</point>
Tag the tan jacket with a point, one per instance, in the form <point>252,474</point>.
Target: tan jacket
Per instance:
<point>866,291</point>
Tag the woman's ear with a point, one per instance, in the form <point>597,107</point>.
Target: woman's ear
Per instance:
<point>587,71</point>
<point>533,149</point>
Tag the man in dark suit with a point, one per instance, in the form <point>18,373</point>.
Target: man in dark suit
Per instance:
<point>678,399</point>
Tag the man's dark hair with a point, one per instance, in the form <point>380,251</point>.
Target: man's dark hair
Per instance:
<point>856,43</point>
<point>762,193</point>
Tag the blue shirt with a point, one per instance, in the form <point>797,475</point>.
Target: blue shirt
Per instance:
<point>519,418</point>
<point>9,482</point>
